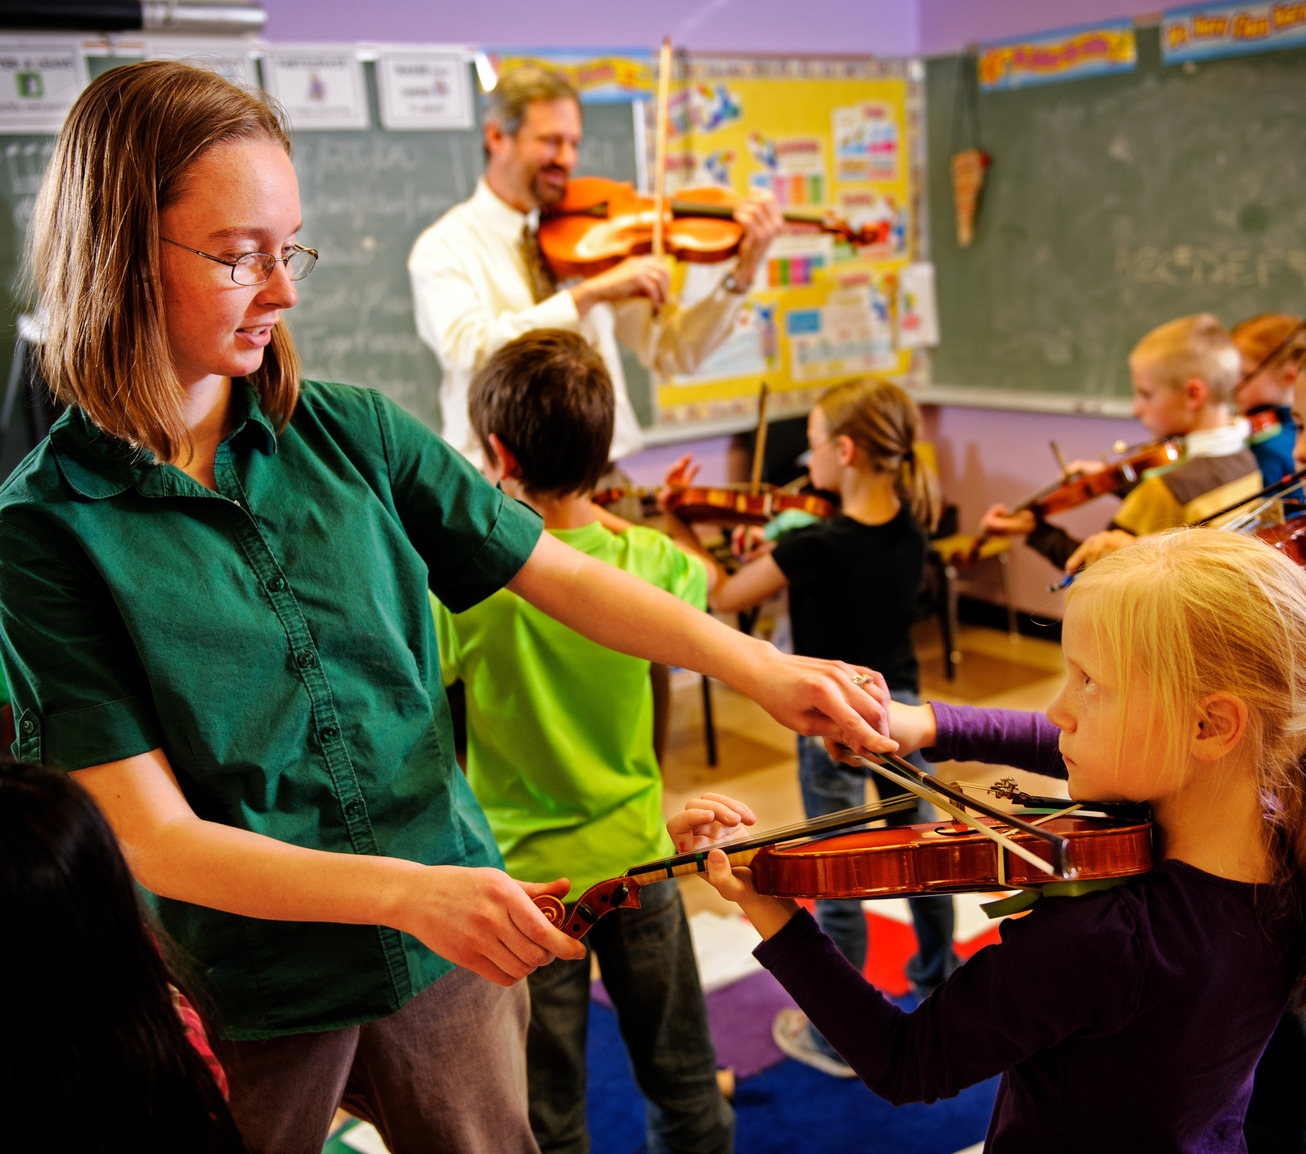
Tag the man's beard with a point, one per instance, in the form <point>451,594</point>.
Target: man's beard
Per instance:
<point>546,193</point>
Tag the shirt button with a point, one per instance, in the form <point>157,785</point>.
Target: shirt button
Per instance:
<point>29,726</point>
<point>330,733</point>
<point>306,660</point>
<point>276,585</point>
<point>354,808</point>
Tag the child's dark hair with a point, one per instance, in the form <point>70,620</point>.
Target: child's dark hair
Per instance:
<point>548,397</point>
<point>92,1044</point>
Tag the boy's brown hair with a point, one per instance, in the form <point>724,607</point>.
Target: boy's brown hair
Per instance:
<point>1191,347</point>
<point>548,397</point>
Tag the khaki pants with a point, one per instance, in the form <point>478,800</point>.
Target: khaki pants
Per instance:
<point>445,1073</point>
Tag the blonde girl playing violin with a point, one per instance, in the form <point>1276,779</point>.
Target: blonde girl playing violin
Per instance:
<point>1129,1018</point>
<point>853,582</point>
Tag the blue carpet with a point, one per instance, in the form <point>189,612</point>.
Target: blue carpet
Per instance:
<point>785,1108</point>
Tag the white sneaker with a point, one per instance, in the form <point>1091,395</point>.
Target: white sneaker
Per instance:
<point>792,1032</point>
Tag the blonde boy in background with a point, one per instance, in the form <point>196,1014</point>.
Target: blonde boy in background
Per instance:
<point>1183,374</point>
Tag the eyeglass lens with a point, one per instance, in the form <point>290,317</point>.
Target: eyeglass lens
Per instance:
<point>257,267</point>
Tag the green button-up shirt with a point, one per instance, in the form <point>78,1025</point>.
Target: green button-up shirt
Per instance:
<point>275,640</point>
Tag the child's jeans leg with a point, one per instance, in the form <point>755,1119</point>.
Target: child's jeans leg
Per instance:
<point>555,1053</point>
<point>647,960</point>
<point>829,786</point>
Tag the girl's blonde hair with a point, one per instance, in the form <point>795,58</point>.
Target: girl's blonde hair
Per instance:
<point>93,247</point>
<point>1192,612</point>
<point>884,423</point>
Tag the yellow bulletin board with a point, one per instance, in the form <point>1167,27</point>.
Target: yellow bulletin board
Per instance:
<point>842,133</point>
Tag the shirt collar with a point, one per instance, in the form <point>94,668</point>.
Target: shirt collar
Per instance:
<point>501,216</point>
<point>1219,442</point>
<point>98,465</point>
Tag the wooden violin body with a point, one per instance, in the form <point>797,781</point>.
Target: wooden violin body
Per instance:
<point>1289,537</point>
<point>931,858</point>
<point>599,223</point>
<point>1080,488</point>
<point>722,505</point>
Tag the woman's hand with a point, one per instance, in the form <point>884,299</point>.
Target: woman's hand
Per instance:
<point>484,920</point>
<point>844,704</point>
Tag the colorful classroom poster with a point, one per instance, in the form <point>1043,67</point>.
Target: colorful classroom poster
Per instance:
<point>1205,31</point>
<point>598,74</point>
<point>320,86</point>
<point>1070,54</point>
<point>38,84</point>
<point>918,309</point>
<point>828,139</point>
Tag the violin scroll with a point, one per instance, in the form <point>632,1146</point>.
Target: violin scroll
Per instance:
<point>600,899</point>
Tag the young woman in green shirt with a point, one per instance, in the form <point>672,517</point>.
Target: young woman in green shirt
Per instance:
<point>213,611</point>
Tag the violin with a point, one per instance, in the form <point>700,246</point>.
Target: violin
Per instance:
<point>1288,535</point>
<point>1289,538</point>
<point>1078,488</point>
<point>726,505</point>
<point>931,858</point>
<point>599,223</point>
<point>1262,421</point>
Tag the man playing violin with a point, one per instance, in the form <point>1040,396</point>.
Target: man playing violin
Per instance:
<point>479,280</point>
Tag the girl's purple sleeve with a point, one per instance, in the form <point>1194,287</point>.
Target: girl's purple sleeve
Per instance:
<point>998,737</point>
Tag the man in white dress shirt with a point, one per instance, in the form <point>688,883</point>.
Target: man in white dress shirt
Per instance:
<point>476,284</point>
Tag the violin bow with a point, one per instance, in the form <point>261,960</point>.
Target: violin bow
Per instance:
<point>1291,481</point>
<point>953,801</point>
<point>615,893</point>
<point>660,145</point>
<point>759,444</point>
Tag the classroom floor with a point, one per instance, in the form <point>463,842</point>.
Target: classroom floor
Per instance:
<point>757,759</point>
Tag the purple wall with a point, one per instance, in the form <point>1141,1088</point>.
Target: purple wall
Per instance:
<point>950,25</point>
<point>875,27</point>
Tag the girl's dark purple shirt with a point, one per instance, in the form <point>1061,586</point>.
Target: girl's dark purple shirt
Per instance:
<point>1125,1019</point>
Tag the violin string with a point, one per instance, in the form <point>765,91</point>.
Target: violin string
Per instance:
<point>1265,497</point>
<point>841,820</point>
<point>955,802</point>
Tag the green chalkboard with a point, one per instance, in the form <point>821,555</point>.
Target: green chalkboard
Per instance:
<point>1114,204</point>
<point>365,195</point>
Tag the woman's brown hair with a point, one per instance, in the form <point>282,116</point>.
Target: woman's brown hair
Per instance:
<point>93,247</point>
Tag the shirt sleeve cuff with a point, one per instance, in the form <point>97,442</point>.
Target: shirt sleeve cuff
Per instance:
<point>557,312</point>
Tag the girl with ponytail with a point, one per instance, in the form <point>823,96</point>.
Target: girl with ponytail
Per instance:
<point>853,583</point>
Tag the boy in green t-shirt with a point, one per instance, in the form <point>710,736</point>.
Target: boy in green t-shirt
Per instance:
<point>560,756</point>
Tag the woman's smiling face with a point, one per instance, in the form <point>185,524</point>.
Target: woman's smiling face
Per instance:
<point>237,198</point>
